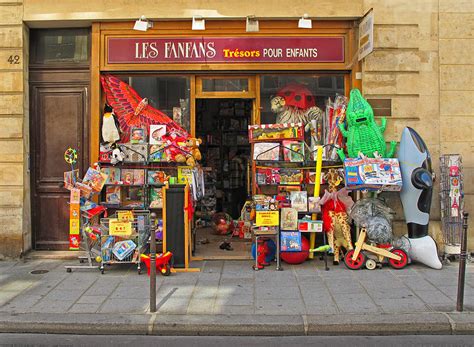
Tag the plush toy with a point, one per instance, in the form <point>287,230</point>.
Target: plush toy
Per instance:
<point>117,155</point>
<point>193,146</point>
<point>335,205</point>
<point>110,126</point>
<point>363,134</point>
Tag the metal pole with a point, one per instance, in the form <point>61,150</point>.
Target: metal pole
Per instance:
<point>153,266</point>
<point>462,264</point>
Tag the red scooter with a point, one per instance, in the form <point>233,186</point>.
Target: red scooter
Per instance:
<point>162,263</point>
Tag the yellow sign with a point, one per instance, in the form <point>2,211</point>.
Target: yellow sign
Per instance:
<point>267,218</point>
<point>119,228</point>
<point>125,216</point>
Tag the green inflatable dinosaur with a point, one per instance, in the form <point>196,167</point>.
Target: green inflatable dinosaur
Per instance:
<point>363,134</point>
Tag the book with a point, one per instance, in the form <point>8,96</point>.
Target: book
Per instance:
<point>185,174</point>
<point>266,151</point>
<point>113,175</point>
<point>133,197</point>
<point>313,204</point>
<point>156,198</point>
<point>293,151</point>
<point>290,241</point>
<point>137,135</point>
<point>70,178</point>
<point>127,176</point>
<point>299,201</point>
<point>138,177</point>
<point>113,195</point>
<point>94,179</point>
<point>157,177</point>
<point>291,176</point>
<point>288,219</point>
<point>157,131</point>
<point>158,153</point>
<point>268,176</point>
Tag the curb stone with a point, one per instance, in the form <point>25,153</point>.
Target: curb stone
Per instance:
<point>463,323</point>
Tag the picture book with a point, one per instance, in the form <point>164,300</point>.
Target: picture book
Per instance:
<point>157,153</point>
<point>133,197</point>
<point>137,135</point>
<point>138,177</point>
<point>268,176</point>
<point>156,198</point>
<point>266,151</point>
<point>291,176</point>
<point>185,174</point>
<point>127,176</point>
<point>157,131</point>
<point>299,200</point>
<point>113,175</point>
<point>157,177</point>
<point>313,204</point>
<point>70,177</point>
<point>113,195</point>
<point>288,219</point>
<point>94,179</point>
<point>293,151</point>
<point>290,241</point>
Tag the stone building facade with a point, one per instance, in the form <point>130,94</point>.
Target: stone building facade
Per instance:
<point>423,61</point>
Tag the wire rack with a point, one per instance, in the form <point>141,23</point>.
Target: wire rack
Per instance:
<point>125,249</point>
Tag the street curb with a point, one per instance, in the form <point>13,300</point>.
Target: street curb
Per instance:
<point>239,325</point>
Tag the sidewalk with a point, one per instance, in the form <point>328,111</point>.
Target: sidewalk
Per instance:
<point>229,298</point>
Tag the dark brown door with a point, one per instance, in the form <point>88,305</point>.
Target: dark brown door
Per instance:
<point>59,108</point>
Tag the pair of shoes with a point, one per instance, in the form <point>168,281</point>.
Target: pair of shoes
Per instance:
<point>226,245</point>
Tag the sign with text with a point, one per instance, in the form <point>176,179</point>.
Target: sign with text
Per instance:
<point>366,35</point>
<point>267,219</point>
<point>149,50</point>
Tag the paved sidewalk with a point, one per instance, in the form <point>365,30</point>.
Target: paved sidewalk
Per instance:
<point>301,299</point>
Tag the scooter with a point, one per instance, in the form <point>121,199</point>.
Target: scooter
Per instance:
<point>356,258</point>
<point>162,262</point>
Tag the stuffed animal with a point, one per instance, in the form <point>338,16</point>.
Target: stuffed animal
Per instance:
<point>193,145</point>
<point>110,126</point>
<point>117,155</point>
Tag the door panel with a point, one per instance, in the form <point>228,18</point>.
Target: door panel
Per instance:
<point>59,119</point>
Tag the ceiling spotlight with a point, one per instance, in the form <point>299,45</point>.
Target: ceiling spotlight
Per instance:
<point>142,24</point>
<point>199,23</point>
<point>305,22</point>
<point>252,24</point>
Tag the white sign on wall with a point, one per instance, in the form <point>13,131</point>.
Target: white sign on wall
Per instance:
<point>366,35</point>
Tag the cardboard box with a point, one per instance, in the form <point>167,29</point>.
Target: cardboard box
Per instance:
<point>373,174</point>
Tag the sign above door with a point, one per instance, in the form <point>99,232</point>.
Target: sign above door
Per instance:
<point>287,49</point>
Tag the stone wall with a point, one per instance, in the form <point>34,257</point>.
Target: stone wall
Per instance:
<point>13,177</point>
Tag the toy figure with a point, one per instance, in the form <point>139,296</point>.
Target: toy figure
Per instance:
<point>262,252</point>
<point>110,126</point>
<point>416,193</point>
<point>363,134</point>
<point>335,205</point>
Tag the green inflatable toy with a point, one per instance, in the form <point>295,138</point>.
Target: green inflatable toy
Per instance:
<point>363,134</point>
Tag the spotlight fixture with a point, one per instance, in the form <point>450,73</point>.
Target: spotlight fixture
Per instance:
<point>199,23</point>
<point>305,22</point>
<point>142,24</point>
<point>252,24</point>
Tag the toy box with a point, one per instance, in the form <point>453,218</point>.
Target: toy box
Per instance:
<point>274,132</point>
<point>373,174</point>
<point>310,226</point>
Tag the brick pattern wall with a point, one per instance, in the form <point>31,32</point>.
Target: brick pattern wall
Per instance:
<point>13,178</point>
<point>456,87</point>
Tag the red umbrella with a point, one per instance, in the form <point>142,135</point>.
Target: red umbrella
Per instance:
<point>297,95</point>
<point>133,110</point>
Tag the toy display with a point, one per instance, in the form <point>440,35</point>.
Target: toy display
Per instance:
<point>335,205</point>
<point>452,202</point>
<point>363,134</point>
<point>373,174</point>
<point>417,175</point>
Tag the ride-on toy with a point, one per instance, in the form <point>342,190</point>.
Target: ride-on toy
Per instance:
<point>162,263</point>
<point>356,258</point>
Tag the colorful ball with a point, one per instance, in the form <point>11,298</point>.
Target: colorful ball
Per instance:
<point>222,223</point>
<point>271,248</point>
<point>297,257</point>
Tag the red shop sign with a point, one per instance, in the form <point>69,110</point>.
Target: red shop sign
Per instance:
<point>151,50</point>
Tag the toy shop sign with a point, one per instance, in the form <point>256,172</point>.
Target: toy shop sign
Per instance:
<point>129,50</point>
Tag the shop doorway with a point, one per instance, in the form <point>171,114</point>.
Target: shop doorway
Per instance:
<point>222,124</point>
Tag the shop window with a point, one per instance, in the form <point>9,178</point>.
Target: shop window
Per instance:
<point>225,85</point>
<point>169,94</point>
<point>59,46</point>
<point>302,91</point>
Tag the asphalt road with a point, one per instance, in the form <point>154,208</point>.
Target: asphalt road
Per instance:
<point>210,341</point>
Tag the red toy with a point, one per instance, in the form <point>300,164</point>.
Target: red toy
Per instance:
<point>297,257</point>
<point>262,252</point>
<point>162,263</point>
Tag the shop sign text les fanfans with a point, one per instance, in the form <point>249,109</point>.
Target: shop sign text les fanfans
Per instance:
<point>129,50</point>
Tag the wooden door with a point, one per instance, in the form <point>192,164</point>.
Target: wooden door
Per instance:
<point>59,108</point>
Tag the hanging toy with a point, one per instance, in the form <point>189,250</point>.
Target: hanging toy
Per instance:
<point>363,134</point>
<point>110,126</point>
